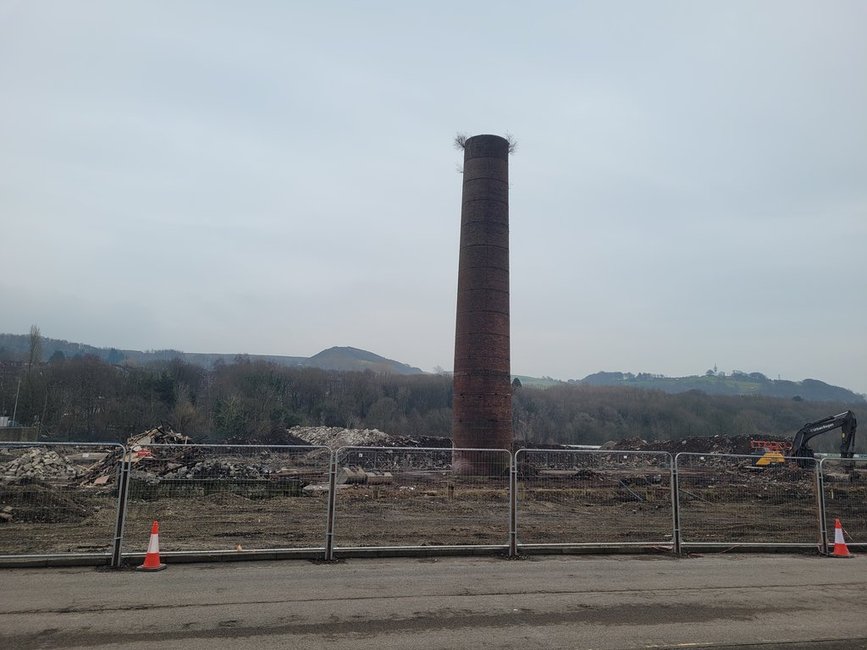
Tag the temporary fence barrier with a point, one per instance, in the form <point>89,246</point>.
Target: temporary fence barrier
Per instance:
<point>228,499</point>
<point>95,503</point>
<point>392,499</point>
<point>844,491</point>
<point>593,499</point>
<point>60,501</point>
<point>726,500</point>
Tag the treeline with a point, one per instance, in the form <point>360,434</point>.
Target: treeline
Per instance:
<point>594,415</point>
<point>85,398</point>
<point>715,382</point>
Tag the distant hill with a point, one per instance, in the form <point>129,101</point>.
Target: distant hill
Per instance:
<point>537,382</point>
<point>15,347</point>
<point>354,359</point>
<point>737,383</point>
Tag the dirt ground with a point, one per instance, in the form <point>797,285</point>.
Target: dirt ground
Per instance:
<point>388,516</point>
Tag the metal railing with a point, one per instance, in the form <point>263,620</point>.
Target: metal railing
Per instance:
<point>94,503</point>
<point>844,497</point>
<point>60,500</point>
<point>409,498</point>
<point>726,500</point>
<point>229,498</point>
<point>593,498</point>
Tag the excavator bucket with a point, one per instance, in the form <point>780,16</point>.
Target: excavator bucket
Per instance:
<point>770,458</point>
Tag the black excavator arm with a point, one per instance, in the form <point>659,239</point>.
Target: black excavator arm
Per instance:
<point>845,421</point>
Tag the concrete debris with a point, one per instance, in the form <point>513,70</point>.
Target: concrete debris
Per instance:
<point>39,464</point>
<point>336,437</point>
<point>354,475</point>
<point>162,454</point>
<point>217,468</point>
<point>70,465</point>
<point>317,489</point>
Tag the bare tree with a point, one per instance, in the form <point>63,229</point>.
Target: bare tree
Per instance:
<point>35,356</point>
<point>513,143</point>
<point>460,142</point>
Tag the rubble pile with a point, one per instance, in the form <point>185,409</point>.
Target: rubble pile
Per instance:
<point>216,468</point>
<point>87,468</point>
<point>158,436</point>
<point>697,445</point>
<point>335,437</point>
<point>105,471</point>
<point>39,464</point>
<point>421,441</point>
<point>165,455</point>
<point>279,437</point>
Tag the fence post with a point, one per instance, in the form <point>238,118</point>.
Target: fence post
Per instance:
<point>513,504</point>
<point>332,496</point>
<point>122,495</point>
<point>675,505</point>
<point>820,497</point>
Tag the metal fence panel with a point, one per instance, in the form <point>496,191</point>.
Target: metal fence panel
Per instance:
<point>587,497</point>
<point>64,499</point>
<point>228,497</point>
<point>58,498</point>
<point>844,483</point>
<point>727,499</point>
<point>411,497</point>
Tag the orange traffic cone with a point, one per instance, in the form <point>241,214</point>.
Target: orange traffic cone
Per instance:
<point>152,558</point>
<point>840,548</point>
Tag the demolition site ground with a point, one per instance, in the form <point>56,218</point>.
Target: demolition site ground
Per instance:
<point>53,501</point>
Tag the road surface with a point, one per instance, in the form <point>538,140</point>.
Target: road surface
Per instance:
<point>599,603</point>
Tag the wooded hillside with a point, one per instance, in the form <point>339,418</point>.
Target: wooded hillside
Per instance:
<point>85,398</point>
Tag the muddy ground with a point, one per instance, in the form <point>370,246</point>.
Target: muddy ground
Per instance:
<point>412,515</point>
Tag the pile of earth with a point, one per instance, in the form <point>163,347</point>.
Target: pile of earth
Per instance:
<point>695,445</point>
<point>278,437</point>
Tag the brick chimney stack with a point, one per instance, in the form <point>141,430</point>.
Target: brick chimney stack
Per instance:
<point>482,403</point>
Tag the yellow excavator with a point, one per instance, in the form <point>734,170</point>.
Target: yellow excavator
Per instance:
<point>775,452</point>
<point>769,452</point>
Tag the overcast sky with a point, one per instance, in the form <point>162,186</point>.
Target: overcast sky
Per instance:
<point>689,189</point>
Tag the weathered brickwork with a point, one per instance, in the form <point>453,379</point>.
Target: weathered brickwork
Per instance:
<point>482,376</point>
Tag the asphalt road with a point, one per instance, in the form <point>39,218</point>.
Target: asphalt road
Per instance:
<point>714,601</point>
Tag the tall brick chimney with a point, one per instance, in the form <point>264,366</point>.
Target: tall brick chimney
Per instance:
<point>482,403</point>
